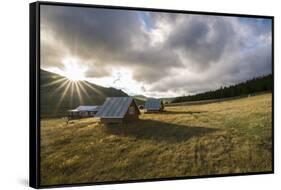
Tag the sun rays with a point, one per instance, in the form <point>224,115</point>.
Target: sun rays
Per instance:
<point>73,89</point>
<point>72,85</point>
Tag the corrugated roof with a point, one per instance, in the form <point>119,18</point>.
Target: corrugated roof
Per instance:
<point>115,107</point>
<point>152,104</point>
<point>85,108</point>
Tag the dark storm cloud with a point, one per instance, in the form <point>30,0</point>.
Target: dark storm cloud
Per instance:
<point>164,51</point>
<point>202,40</point>
<point>85,29</point>
<point>88,34</point>
<point>104,37</point>
<point>219,52</point>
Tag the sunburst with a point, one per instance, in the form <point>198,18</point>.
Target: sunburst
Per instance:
<point>71,88</point>
<point>72,84</point>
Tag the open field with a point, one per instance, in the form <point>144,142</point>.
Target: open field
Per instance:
<point>219,138</point>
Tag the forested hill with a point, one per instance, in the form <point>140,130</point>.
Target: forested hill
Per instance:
<point>255,85</point>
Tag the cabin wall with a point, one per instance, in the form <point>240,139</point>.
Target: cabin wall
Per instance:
<point>130,117</point>
<point>111,120</point>
<point>162,107</point>
<point>81,114</point>
<point>153,111</point>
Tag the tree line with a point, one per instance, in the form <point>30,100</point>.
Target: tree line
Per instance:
<point>259,84</point>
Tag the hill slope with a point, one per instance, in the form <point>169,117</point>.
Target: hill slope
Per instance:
<point>58,94</point>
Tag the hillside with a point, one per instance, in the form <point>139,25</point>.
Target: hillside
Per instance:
<point>255,85</point>
<point>58,94</point>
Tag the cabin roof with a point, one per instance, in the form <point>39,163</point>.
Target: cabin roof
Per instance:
<point>115,107</point>
<point>153,104</point>
<point>85,108</point>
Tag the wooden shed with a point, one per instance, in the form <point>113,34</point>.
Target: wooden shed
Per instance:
<point>153,105</point>
<point>83,112</point>
<point>118,110</point>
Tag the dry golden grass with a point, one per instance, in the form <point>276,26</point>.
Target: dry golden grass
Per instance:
<point>219,138</point>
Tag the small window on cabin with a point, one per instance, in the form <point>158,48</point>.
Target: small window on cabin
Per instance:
<point>131,110</point>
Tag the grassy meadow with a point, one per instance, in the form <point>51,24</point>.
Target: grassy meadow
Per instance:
<point>219,138</point>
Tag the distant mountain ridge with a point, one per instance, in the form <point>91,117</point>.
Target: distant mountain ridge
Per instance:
<point>255,85</point>
<point>142,98</point>
<point>58,94</point>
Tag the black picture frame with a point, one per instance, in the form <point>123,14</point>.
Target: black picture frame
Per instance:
<point>34,93</point>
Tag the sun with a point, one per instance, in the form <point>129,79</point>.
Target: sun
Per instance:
<point>73,70</point>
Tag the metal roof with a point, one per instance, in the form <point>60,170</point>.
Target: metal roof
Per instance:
<point>152,104</point>
<point>115,107</point>
<point>85,108</point>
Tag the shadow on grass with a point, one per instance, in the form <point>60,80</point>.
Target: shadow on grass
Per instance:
<point>181,112</point>
<point>157,130</point>
<point>77,123</point>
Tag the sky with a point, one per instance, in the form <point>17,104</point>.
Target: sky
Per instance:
<point>151,53</point>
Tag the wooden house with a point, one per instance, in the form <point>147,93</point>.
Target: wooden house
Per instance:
<point>83,112</point>
<point>118,110</point>
<point>153,105</point>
